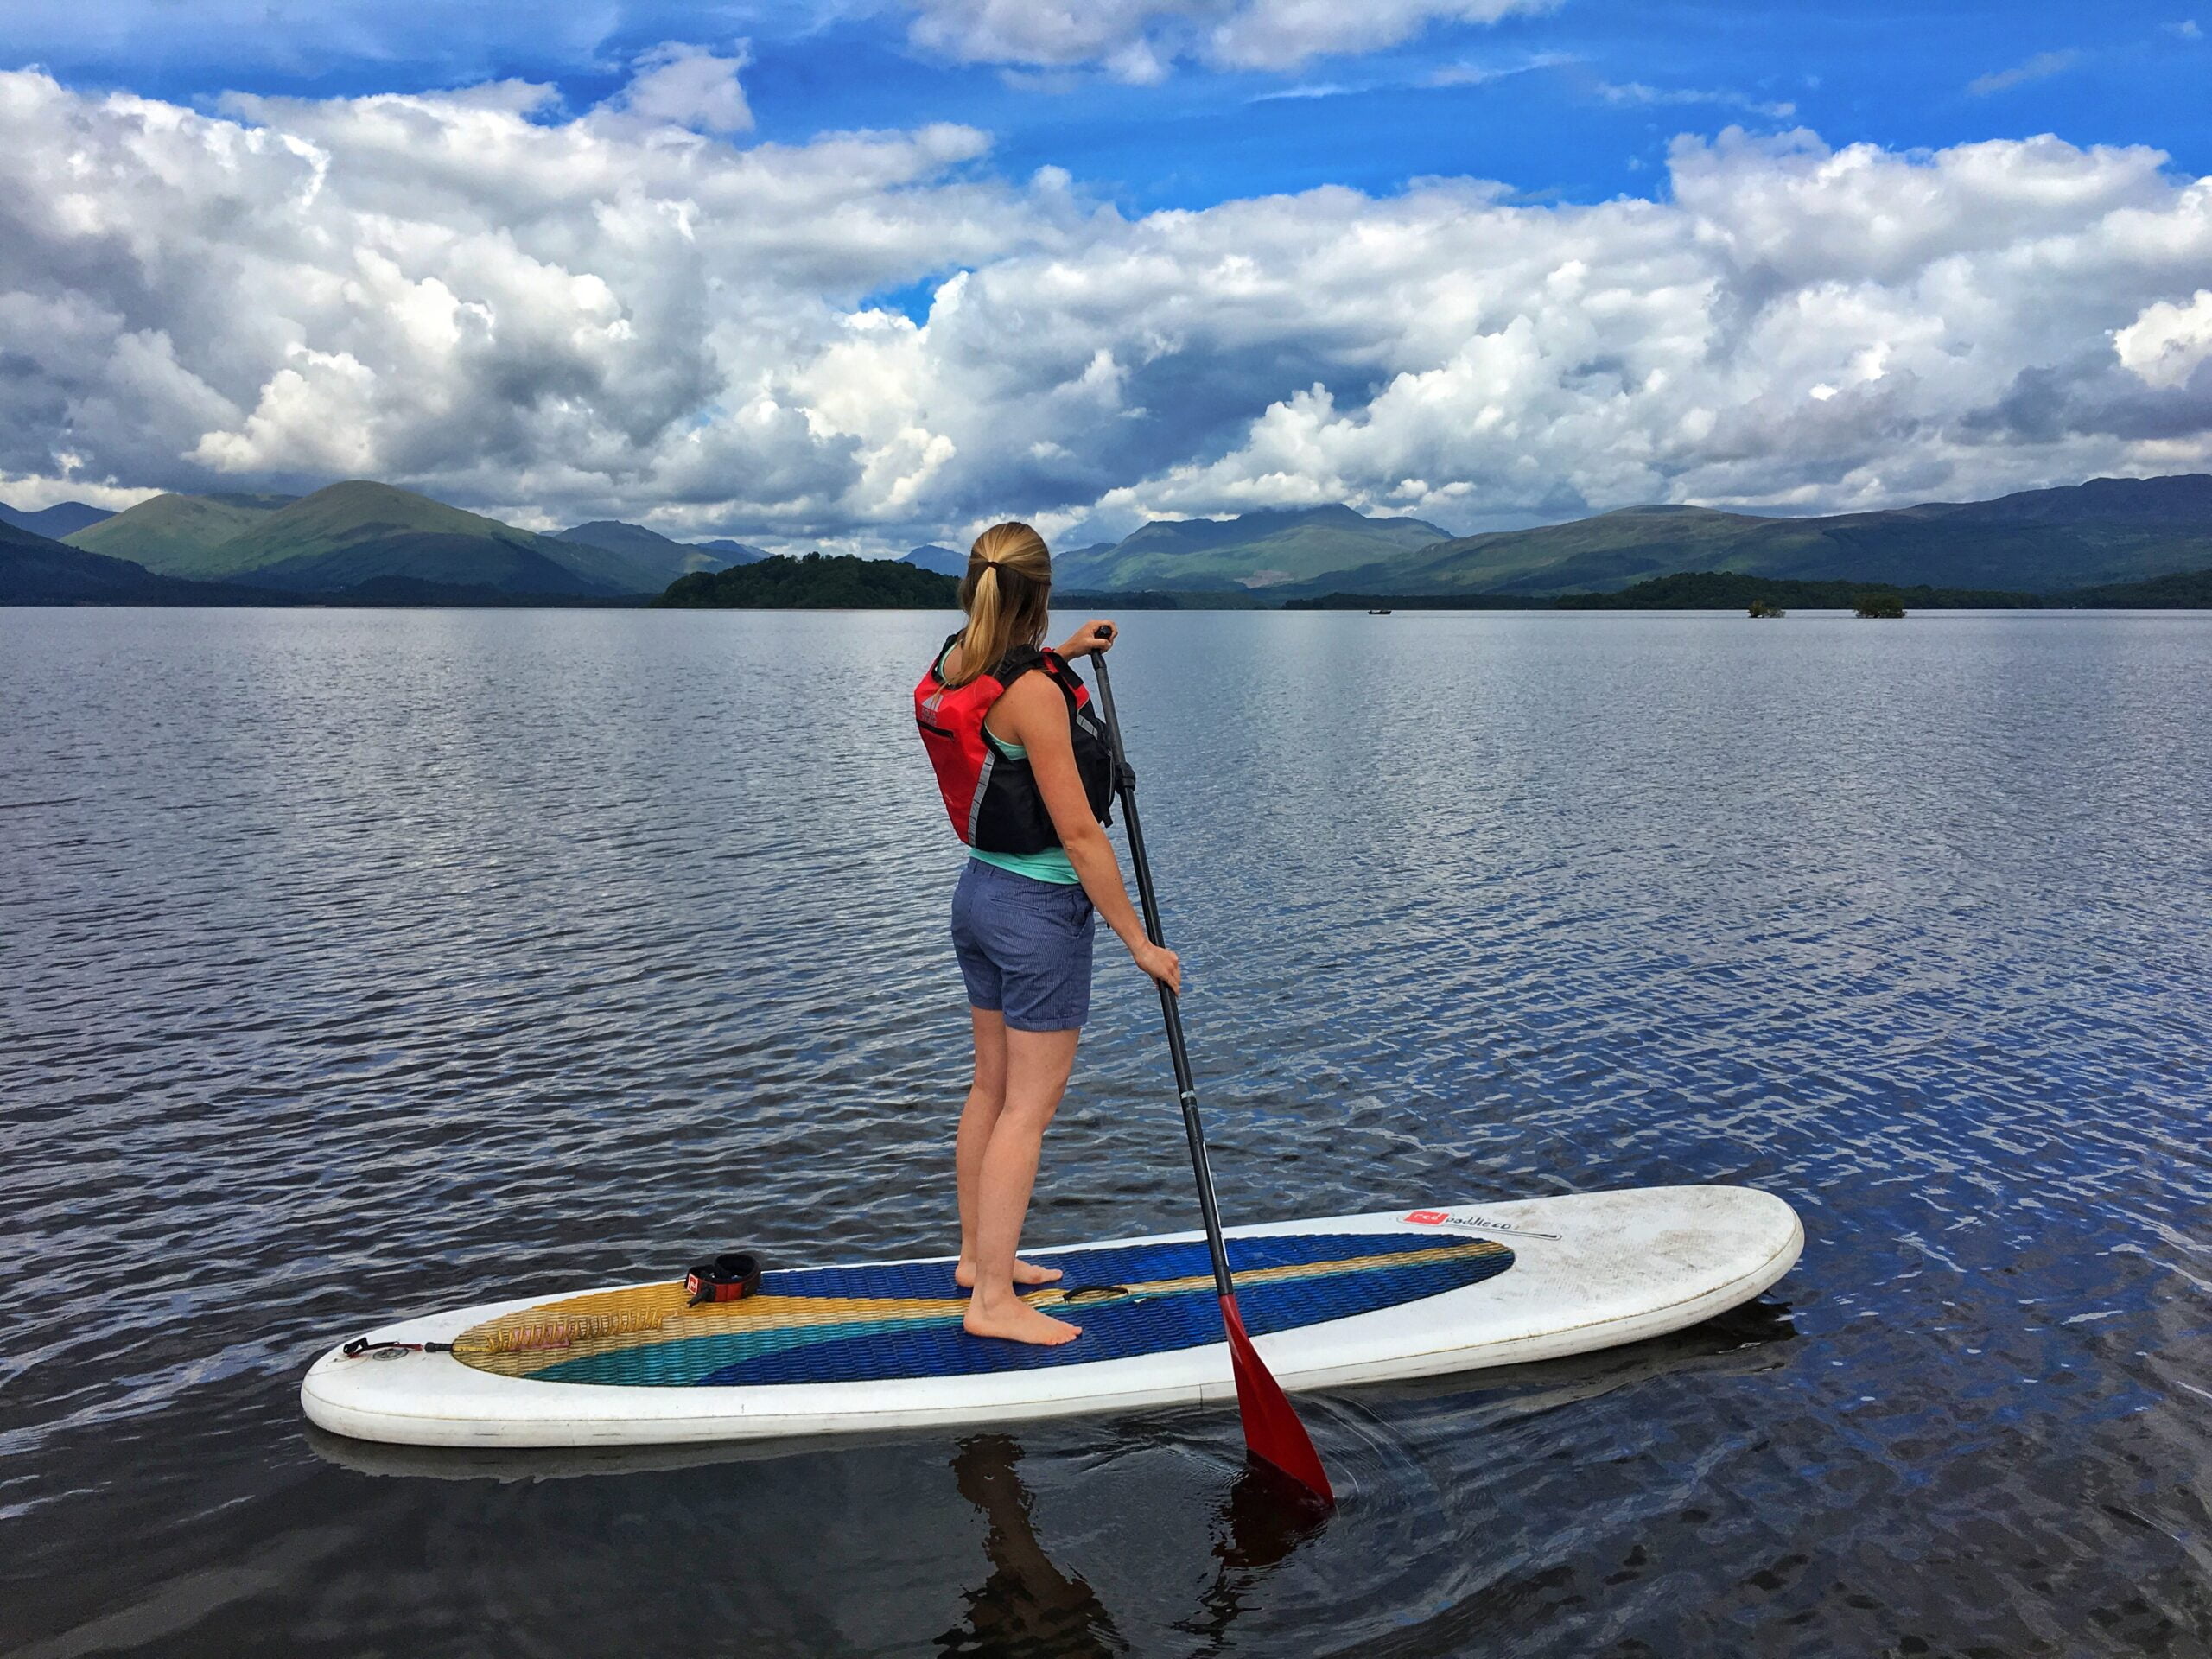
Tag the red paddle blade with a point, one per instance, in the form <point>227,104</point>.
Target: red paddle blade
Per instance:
<point>1272,1430</point>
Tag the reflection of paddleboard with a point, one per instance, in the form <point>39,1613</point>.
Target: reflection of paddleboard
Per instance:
<point>1355,1298</point>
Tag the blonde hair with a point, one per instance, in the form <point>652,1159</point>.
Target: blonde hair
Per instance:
<point>1007,595</point>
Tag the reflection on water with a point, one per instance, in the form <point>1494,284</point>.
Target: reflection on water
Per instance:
<point>1263,1520</point>
<point>1027,1605</point>
<point>353,964</point>
<point>1030,1606</point>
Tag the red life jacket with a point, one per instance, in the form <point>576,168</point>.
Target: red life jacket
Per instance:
<point>992,798</point>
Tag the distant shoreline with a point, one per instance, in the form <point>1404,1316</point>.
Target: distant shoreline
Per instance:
<point>362,543</point>
<point>844,582</point>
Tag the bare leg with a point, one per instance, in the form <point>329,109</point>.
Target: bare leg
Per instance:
<point>1037,1064</point>
<point>986,1096</point>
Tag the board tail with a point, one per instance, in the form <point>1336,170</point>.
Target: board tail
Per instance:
<point>1272,1432</point>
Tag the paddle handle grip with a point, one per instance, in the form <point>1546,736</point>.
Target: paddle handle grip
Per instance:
<point>1170,1013</point>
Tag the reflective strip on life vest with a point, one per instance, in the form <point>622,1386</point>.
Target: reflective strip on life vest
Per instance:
<point>982,788</point>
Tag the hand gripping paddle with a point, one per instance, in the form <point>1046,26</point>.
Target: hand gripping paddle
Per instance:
<point>1272,1432</point>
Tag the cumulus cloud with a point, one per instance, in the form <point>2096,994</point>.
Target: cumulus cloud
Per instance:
<point>2165,346</point>
<point>1142,39</point>
<point>612,313</point>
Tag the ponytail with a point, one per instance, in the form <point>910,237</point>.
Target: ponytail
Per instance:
<point>1006,594</point>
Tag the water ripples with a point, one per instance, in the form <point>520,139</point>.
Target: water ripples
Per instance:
<point>360,963</point>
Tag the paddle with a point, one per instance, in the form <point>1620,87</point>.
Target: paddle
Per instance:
<point>1272,1432</point>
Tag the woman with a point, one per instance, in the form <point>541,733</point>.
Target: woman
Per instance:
<point>1027,778</point>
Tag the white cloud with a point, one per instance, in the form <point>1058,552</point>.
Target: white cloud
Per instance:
<point>1142,39</point>
<point>1281,33</point>
<point>613,314</point>
<point>2042,67</point>
<point>686,86</point>
<point>1466,73</point>
<point>1303,91</point>
<point>1635,92</point>
<point>31,494</point>
<point>2165,346</point>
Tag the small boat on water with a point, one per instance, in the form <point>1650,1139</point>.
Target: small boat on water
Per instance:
<point>1384,612</point>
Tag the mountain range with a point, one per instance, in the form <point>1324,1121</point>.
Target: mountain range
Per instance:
<point>941,560</point>
<point>652,555</point>
<point>1255,551</point>
<point>360,533</point>
<point>53,522</point>
<point>371,542</point>
<point>1252,553</point>
<point>2110,530</point>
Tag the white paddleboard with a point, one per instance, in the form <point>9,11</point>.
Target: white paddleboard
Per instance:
<point>1418,1292</point>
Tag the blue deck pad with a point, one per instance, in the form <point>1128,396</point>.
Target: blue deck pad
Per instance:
<point>869,1347</point>
<point>1097,1264</point>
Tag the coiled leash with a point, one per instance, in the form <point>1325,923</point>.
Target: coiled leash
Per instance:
<point>730,1277</point>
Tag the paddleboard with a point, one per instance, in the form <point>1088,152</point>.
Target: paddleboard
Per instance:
<point>1418,1292</point>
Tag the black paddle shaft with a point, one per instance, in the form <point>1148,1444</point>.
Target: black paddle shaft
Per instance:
<point>1125,785</point>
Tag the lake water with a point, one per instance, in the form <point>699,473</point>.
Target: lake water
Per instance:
<point>356,962</point>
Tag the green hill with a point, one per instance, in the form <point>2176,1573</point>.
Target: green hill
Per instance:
<point>2038,541</point>
<point>1607,551</point>
<point>35,570</point>
<point>463,563</point>
<point>172,535</point>
<point>357,531</point>
<point>1255,551</point>
<point>818,582</point>
<point>345,518</point>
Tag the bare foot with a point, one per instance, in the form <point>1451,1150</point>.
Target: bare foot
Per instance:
<point>1025,1273</point>
<point>1016,1321</point>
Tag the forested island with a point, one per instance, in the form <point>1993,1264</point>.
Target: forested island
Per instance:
<point>830,582</point>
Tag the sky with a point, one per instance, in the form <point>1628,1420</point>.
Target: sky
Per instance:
<point>858,276</point>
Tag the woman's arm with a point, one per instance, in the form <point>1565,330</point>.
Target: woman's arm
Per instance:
<point>1093,636</point>
<point>1036,717</point>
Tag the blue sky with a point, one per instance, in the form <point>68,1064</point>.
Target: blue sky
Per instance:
<point>867,274</point>
<point>1577,102</point>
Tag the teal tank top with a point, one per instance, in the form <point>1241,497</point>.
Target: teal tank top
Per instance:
<point>1050,865</point>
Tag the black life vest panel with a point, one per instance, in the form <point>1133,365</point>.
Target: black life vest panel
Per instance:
<point>992,798</point>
